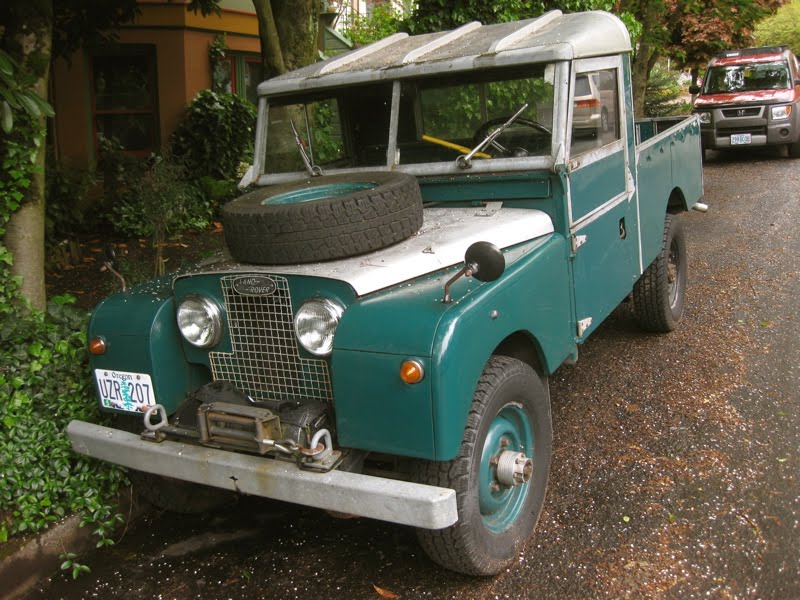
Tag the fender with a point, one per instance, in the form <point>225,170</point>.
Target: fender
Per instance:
<point>142,336</point>
<point>534,298</point>
<point>376,411</point>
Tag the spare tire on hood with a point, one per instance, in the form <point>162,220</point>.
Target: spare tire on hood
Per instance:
<point>322,218</point>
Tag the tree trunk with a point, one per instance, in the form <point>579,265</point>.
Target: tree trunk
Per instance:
<point>29,38</point>
<point>651,14</point>
<point>288,31</point>
<point>298,26</point>
<point>646,57</point>
<point>271,54</point>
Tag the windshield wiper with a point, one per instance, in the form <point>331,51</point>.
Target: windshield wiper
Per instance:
<point>312,169</point>
<point>465,161</point>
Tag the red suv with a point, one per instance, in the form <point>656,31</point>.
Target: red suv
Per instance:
<point>751,97</point>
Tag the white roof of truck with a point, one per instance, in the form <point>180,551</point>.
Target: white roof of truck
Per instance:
<point>551,37</point>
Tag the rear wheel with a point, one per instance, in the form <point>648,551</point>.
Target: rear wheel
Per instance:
<point>659,295</point>
<point>500,473</point>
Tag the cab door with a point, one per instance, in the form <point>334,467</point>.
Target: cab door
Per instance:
<point>602,209</point>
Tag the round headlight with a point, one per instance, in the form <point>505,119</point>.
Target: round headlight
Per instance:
<point>315,324</point>
<point>199,321</point>
<point>705,117</point>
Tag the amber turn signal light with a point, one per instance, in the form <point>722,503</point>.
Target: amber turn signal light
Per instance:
<point>411,371</point>
<point>97,346</point>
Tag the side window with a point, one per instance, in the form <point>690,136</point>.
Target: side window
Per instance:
<point>595,112</point>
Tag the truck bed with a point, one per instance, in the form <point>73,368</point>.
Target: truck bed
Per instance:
<point>670,172</point>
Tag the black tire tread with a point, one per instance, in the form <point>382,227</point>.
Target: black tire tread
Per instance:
<point>454,547</point>
<point>651,292</point>
<point>324,229</point>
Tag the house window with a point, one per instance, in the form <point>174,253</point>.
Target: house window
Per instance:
<point>238,74</point>
<point>252,77</point>
<point>124,97</point>
<point>224,75</point>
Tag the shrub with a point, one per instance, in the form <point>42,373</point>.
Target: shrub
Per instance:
<point>382,21</point>
<point>45,383</point>
<point>663,93</point>
<point>67,212</point>
<point>161,202</point>
<point>215,135</point>
<point>67,192</point>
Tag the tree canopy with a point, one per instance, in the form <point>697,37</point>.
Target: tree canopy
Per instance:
<point>690,31</point>
<point>782,28</point>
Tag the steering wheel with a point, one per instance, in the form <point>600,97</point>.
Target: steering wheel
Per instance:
<point>482,131</point>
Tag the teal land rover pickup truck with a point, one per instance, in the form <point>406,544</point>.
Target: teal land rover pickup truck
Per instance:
<point>434,225</point>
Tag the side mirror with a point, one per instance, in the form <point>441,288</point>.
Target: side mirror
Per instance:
<point>483,260</point>
<point>110,255</point>
<point>111,263</point>
<point>694,89</point>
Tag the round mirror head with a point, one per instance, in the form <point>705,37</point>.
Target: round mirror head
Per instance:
<point>488,260</point>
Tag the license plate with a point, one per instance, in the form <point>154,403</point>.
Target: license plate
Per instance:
<point>738,139</point>
<point>123,390</point>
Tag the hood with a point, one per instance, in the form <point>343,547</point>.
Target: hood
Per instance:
<point>445,235</point>
<point>754,97</point>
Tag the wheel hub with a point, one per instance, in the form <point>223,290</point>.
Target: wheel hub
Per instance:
<point>506,465</point>
<point>513,468</point>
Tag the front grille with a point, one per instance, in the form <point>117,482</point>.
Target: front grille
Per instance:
<point>266,362</point>
<point>753,111</point>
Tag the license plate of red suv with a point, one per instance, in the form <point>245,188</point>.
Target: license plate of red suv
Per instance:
<point>738,139</point>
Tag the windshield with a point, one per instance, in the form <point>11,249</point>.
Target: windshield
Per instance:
<point>439,120</point>
<point>747,78</point>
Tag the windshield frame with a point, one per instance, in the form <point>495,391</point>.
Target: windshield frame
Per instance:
<point>527,163</point>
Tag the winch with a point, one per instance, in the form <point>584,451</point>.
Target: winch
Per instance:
<point>219,415</point>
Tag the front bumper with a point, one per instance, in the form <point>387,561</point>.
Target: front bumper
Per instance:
<point>763,131</point>
<point>403,502</point>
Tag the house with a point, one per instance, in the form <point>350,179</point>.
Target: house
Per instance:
<point>137,89</point>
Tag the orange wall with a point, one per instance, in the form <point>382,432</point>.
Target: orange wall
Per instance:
<point>72,104</point>
<point>181,40</point>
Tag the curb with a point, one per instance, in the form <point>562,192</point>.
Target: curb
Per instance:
<point>38,557</point>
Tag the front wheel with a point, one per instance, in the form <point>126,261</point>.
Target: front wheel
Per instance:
<point>658,296</point>
<point>500,473</point>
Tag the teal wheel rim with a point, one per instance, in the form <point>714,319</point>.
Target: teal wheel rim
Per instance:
<point>500,505</point>
<point>319,192</point>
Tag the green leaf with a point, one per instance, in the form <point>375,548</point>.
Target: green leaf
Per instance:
<point>30,105</point>
<point>44,106</point>
<point>6,68</point>
<point>626,518</point>
<point>6,117</point>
